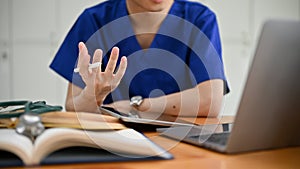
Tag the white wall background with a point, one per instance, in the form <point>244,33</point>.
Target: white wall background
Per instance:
<point>32,30</point>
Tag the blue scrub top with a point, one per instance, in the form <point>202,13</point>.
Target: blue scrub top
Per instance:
<point>185,51</point>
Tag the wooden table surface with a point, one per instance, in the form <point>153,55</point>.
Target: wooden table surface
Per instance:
<point>189,156</point>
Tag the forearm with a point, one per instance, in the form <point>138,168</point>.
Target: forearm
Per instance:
<point>184,103</point>
<point>203,100</point>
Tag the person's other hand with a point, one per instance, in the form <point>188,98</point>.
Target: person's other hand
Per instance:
<point>100,83</point>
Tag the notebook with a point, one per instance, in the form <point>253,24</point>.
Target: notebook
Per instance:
<point>269,111</point>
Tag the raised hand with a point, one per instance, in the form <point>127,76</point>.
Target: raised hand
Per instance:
<point>100,83</point>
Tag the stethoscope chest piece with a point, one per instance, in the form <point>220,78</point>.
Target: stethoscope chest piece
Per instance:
<point>30,125</point>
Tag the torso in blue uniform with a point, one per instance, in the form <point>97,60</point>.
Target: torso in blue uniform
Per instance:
<point>185,51</point>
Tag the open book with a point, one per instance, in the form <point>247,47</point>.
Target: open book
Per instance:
<point>78,120</point>
<point>121,145</point>
<point>81,120</point>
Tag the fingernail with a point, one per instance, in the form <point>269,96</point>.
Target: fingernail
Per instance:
<point>116,48</point>
<point>80,45</point>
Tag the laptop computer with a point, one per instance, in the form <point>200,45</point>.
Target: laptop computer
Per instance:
<point>268,116</point>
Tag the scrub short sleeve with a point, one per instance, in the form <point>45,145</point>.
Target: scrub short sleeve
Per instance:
<point>206,61</point>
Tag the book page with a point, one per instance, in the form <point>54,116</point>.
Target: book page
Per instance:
<point>15,143</point>
<point>123,142</point>
<point>129,143</point>
<point>81,120</point>
<point>57,138</point>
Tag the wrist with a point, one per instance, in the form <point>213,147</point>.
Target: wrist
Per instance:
<point>87,94</point>
<point>144,106</point>
<point>154,105</point>
<point>83,102</point>
<point>140,104</point>
<point>91,97</point>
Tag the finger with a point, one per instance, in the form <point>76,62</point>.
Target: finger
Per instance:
<point>84,59</point>
<point>122,69</point>
<point>110,68</point>
<point>98,59</point>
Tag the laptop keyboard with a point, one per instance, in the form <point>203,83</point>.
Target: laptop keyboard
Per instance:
<point>217,138</point>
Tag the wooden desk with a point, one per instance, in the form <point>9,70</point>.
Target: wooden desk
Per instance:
<point>189,156</point>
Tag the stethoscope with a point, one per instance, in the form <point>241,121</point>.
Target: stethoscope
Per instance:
<point>29,122</point>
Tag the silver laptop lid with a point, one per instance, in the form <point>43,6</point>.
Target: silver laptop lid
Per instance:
<point>269,111</point>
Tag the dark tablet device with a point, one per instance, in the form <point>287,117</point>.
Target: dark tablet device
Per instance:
<point>146,118</point>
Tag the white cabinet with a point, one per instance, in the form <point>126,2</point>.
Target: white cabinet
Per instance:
<point>33,20</point>
<point>38,27</point>
<point>4,73</point>
<point>4,51</point>
<point>4,21</point>
<point>32,77</point>
<point>35,28</point>
<point>33,25</point>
